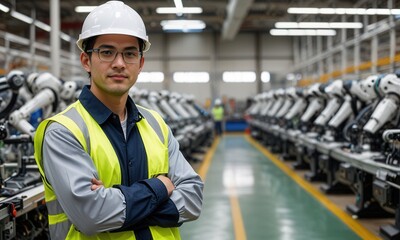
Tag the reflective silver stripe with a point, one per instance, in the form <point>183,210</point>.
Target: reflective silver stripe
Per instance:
<point>60,230</point>
<point>54,207</point>
<point>77,118</point>
<point>152,121</point>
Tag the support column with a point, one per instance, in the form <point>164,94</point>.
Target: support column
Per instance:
<point>392,32</point>
<point>32,39</point>
<point>344,49</point>
<point>357,48</point>
<point>55,37</point>
<point>165,58</point>
<point>258,62</point>
<point>214,77</point>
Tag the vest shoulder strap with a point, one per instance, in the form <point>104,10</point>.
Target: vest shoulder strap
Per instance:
<point>156,122</point>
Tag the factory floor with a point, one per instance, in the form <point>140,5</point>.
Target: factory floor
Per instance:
<point>251,194</point>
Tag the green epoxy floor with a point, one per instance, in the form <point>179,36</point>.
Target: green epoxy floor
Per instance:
<point>272,205</point>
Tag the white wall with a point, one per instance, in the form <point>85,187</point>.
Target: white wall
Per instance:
<point>206,52</point>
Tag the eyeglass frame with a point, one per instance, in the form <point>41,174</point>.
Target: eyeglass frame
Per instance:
<point>140,54</point>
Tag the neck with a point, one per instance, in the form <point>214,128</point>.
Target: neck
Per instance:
<point>116,104</point>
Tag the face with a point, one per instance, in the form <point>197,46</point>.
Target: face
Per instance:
<point>112,79</point>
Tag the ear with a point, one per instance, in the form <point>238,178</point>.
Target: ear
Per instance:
<point>85,61</point>
<point>141,64</point>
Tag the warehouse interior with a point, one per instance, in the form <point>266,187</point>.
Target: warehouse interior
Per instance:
<point>310,92</point>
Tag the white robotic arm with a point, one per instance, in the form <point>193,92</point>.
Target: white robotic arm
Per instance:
<point>280,93</point>
<point>46,89</point>
<point>316,103</point>
<point>388,106</point>
<point>365,90</point>
<point>290,95</point>
<point>299,105</point>
<point>153,100</point>
<point>268,101</point>
<point>335,92</point>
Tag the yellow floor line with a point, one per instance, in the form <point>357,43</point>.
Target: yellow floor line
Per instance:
<point>359,229</point>
<point>240,233</point>
<point>203,169</point>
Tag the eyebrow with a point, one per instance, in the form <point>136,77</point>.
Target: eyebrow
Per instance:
<point>110,46</point>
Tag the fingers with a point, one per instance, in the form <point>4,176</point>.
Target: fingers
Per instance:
<point>96,184</point>
<point>168,183</point>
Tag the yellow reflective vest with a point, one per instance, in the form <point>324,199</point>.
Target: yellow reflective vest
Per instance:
<point>106,161</point>
<point>218,113</point>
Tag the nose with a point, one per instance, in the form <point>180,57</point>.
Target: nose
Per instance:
<point>119,60</point>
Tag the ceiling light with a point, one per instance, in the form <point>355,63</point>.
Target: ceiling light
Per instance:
<point>65,37</point>
<point>4,8</point>
<point>84,9</point>
<point>182,25</point>
<point>302,32</point>
<point>43,26</point>
<point>343,11</point>
<point>317,25</point>
<point>22,17</point>
<point>185,10</point>
<point>178,3</point>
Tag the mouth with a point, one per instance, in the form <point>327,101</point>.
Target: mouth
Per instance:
<point>118,77</point>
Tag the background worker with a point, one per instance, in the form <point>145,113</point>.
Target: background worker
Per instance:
<point>218,116</point>
<point>112,169</point>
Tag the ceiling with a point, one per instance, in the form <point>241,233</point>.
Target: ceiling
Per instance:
<point>225,17</point>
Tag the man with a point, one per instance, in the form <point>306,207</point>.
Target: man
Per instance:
<point>112,169</point>
<point>218,116</point>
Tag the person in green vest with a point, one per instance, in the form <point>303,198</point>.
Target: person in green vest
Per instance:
<point>112,169</point>
<point>218,116</point>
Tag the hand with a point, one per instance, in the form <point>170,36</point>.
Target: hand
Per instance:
<point>168,183</point>
<point>96,184</point>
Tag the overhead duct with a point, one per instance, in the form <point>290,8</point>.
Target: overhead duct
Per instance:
<point>236,12</point>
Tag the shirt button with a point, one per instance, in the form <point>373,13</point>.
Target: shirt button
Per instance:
<point>130,163</point>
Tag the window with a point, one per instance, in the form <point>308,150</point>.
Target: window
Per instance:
<point>239,76</point>
<point>265,77</point>
<point>151,77</point>
<point>191,77</point>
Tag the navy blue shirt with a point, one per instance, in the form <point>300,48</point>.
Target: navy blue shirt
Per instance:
<point>147,201</point>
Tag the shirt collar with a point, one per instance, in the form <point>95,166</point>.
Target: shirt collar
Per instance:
<point>100,112</point>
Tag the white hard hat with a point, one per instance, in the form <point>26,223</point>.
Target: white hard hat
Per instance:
<point>113,17</point>
<point>217,101</point>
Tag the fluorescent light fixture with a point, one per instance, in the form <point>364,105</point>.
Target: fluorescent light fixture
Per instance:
<point>65,37</point>
<point>295,10</point>
<point>239,76</point>
<point>182,25</point>
<point>345,25</point>
<point>265,77</point>
<point>152,77</point>
<point>302,32</point>
<point>84,9</point>
<point>4,8</point>
<point>43,26</point>
<point>185,10</point>
<point>318,25</point>
<point>178,3</point>
<point>191,77</point>
<point>343,11</point>
<point>21,17</point>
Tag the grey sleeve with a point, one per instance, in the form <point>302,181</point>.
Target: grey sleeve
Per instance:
<point>69,170</point>
<point>188,193</point>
